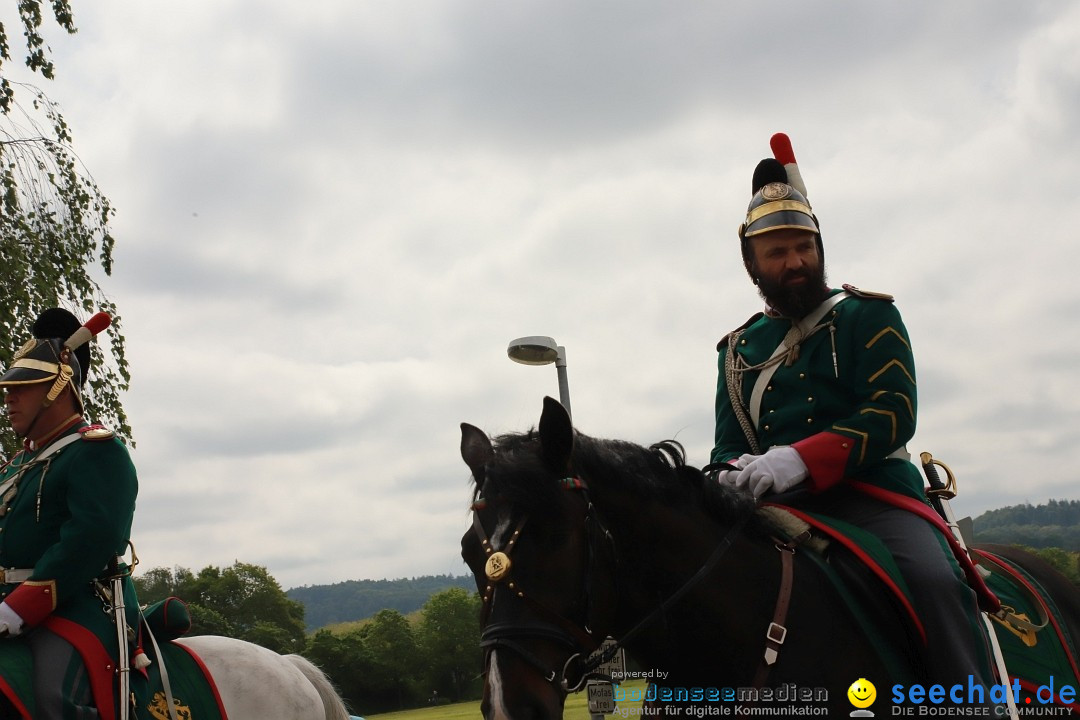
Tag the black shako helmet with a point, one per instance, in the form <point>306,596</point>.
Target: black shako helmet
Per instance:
<point>778,200</point>
<point>57,353</point>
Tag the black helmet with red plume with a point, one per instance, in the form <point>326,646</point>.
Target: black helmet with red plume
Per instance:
<point>57,353</point>
<point>778,199</point>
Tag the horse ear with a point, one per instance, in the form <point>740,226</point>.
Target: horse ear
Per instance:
<point>476,450</point>
<point>556,435</point>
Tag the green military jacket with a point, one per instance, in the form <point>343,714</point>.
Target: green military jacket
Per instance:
<point>846,401</point>
<point>66,518</point>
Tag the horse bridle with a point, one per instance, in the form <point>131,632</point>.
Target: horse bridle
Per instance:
<point>559,629</point>
<point>554,627</point>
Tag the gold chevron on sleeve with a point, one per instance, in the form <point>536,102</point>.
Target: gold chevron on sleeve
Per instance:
<point>902,396</point>
<point>887,413</point>
<point>888,331</point>
<point>862,436</point>
<point>886,366</point>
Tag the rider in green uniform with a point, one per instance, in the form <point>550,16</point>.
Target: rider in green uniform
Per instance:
<point>817,396</point>
<point>66,506</point>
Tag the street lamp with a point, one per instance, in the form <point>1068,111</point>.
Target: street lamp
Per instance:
<point>542,350</point>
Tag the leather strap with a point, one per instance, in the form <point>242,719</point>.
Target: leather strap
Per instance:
<point>776,633</point>
<point>165,684</point>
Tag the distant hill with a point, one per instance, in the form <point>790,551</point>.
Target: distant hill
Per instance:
<point>360,599</point>
<point>1056,524</point>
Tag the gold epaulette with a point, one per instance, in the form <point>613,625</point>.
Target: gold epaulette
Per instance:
<point>866,294</point>
<point>96,432</point>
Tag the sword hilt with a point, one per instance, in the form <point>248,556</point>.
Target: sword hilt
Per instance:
<point>940,492</point>
<point>939,488</point>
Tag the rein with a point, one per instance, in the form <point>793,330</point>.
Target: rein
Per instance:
<point>565,632</point>
<point>597,660</point>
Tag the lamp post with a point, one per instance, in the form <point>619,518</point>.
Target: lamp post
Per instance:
<point>543,350</point>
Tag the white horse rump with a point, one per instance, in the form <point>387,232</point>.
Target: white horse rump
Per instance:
<point>258,684</point>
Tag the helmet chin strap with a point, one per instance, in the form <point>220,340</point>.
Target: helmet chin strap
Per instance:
<point>63,379</point>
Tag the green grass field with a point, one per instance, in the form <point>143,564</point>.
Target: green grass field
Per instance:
<point>577,708</point>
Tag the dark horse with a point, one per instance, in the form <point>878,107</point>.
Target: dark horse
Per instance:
<point>575,539</point>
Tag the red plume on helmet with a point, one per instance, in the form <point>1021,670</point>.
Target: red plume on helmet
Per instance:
<point>781,150</point>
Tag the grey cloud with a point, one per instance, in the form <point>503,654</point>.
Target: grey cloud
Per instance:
<point>333,218</point>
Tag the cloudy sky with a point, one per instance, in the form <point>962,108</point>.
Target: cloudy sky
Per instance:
<point>333,216</point>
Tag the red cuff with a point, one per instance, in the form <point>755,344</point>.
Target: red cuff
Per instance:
<point>826,455</point>
<point>33,600</point>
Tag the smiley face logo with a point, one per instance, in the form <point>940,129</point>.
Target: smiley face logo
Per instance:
<point>862,693</point>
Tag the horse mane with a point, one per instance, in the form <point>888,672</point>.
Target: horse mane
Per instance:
<point>657,473</point>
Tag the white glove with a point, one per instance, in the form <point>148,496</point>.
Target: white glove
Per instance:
<point>780,468</point>
<point>10,622</point>
<point>727,477</point>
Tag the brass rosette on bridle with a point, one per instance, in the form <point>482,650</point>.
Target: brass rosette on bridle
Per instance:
<point>497,566</point>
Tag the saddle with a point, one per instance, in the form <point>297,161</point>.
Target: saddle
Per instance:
<point>863,574</point>
<point>193,690</point>
<point>1031,630</point>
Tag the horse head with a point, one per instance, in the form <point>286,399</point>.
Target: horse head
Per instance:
<point>536,552</point>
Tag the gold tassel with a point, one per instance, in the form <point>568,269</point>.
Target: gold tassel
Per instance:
<point>62,379</point>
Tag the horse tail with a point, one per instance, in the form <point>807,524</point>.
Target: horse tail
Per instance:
<point>332,704</point>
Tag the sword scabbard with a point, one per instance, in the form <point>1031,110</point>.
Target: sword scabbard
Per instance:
<point>123,659</point>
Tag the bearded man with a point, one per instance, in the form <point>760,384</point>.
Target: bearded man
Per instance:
<point>67,500</point>
<point>816,399</point>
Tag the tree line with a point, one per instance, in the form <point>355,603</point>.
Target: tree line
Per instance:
<point>388,662</point>
<point>1055,513</point>
<point>346,601</point>
<point>1053,525</point>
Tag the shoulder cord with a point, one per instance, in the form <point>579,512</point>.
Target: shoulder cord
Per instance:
<point>733,376</point>
<point>11,486</point>
<point>735,367</point>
